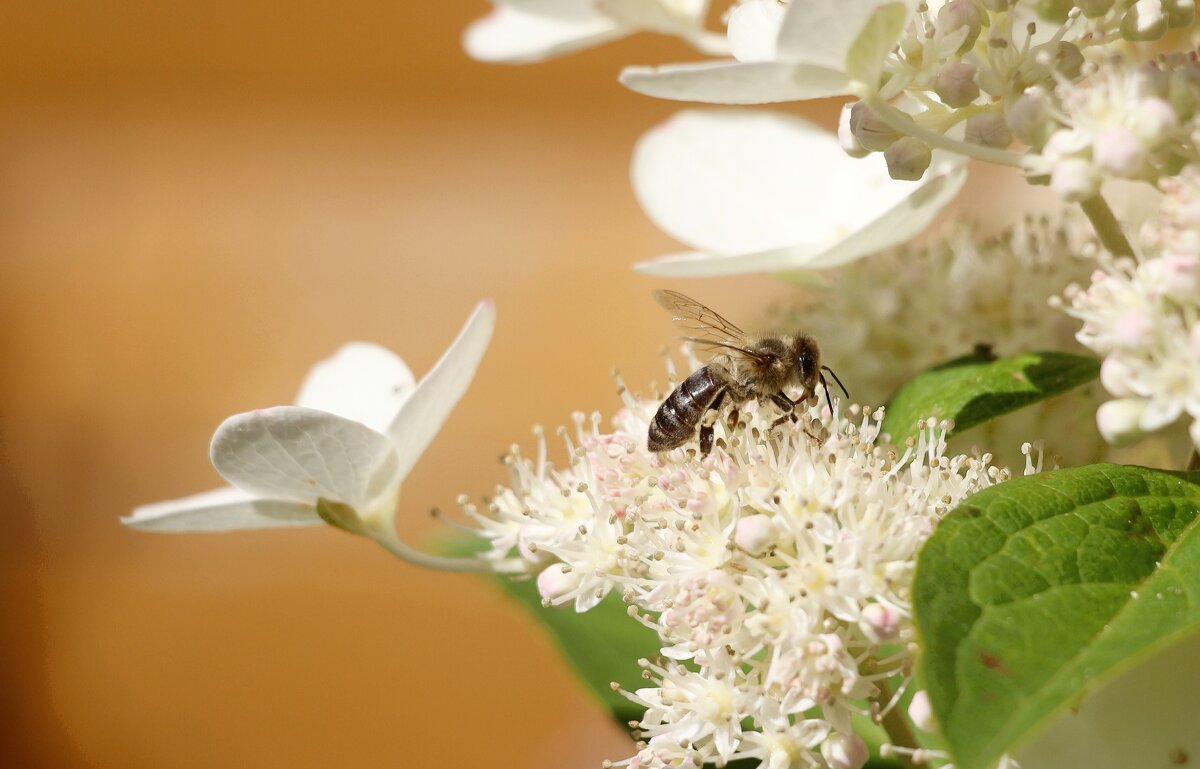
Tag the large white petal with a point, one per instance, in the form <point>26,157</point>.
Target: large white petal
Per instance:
<point>440,390</point>
<point>822,31</point>
<point>735,82</point>
<point>742,181</point>
<point>300,454</point>
<point>890,226</point>
<point>513,35</point>
<point>224,509</point>
<point>361,381</point>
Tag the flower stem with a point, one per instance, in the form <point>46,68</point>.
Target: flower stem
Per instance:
<point>897,728</point>
<point>902,123</point>
<point>1107,228</point>
<point>388,540</point>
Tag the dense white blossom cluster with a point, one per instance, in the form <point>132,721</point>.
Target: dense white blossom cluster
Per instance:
<point>1143,315</point>
<point>774,570</point>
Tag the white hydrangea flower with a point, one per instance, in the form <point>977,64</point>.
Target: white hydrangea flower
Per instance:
<point>801,50</point>
<point>1143,315</point>
<point>737,187</point>
<point>772,570</point>
<point>360,424</point>
<point>883,321</point>
<point>532,30</point>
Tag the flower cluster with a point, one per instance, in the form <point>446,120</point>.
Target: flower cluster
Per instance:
<point>1144,317</point>
<point>882,321</point>
<point>774,570</point>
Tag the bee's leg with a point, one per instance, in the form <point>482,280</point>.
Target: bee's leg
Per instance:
<point>706,424</point>
<point>787,405</point>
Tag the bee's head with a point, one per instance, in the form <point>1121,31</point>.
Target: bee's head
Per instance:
<point>807,360</point>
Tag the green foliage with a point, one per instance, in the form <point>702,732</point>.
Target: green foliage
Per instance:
<point>977,387</point>
<point>1032,592</point>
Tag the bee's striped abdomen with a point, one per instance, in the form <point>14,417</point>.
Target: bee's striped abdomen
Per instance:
<point>676,419</point>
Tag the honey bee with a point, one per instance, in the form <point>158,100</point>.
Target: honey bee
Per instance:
<point>746,367</point>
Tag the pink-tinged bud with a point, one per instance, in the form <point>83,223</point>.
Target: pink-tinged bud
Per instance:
<point>850,144</point>
<point>756,534</point>
<point>955,84</point>
<point>921,712</point>
<point>1094,9</point>
<point>845,751</point>
<point>1144,22</point>
<point>956,15</point>
<point>907,159</point>
<point>1118,151</point>
<point>555,582</point>
<point>1154,121</point>
<point>879,623</point>
<point>1176,276</point>
<point>988,130</point>
<point>1074,180</point>
<point>1132,330</point>
<point>1029,119</point>
<point>872,133</point>
<point>1120,420</point>
<point>1115,376</point>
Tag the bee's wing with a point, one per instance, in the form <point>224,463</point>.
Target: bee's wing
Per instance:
<point>713,330</point>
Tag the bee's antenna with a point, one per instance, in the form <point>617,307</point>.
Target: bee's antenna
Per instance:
<point>833,374</point>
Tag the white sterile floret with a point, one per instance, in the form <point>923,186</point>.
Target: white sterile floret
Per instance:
<point>519,31</point>
<point>1144,316</point>
<point>772,570</point>
<point>359,426</point>
<point>736,187</point>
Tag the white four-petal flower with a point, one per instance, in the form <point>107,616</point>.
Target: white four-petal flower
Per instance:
<point>756,191</point>
<point>519,31</point>
<point>810,50</point>
<point>359,426</point>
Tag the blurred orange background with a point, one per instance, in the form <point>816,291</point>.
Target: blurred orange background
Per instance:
<point>197,202</point>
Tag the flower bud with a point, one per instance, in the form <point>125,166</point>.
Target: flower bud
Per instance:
<point>956,15</point>
<point>1053,10</point>
<point>1064,58</point>
<point>988,130</point>
<point>1175,276</point>
<point>921,712</point>
<point>1094,9</point>
<point>872,133</point>
<point>555,581</point>
<point>1029,119</point>
<point>850,144</point>
<point>1118,151</point>
<point>1132,330</point>
<point>1153,121</point>
<point>1115,376</point>
<point>1074,179</point>
<point>1119,420</point>
<point>845,751</point>
<point>907,159</point>
<point>955,84</point>
<point>1145,21</point>
<point>879,623</point>
<point>1180,13</point>
<point>755,534</point>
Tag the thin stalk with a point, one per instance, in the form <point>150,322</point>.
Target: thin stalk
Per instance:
<point>903,124</point>
<point>897,728</point>
<point>388,540</point>
<point>1107,228</point>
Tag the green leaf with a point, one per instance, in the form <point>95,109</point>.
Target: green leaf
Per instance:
<point>864,60</point>
<point>1033,592</point>
<point>977,387</point>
